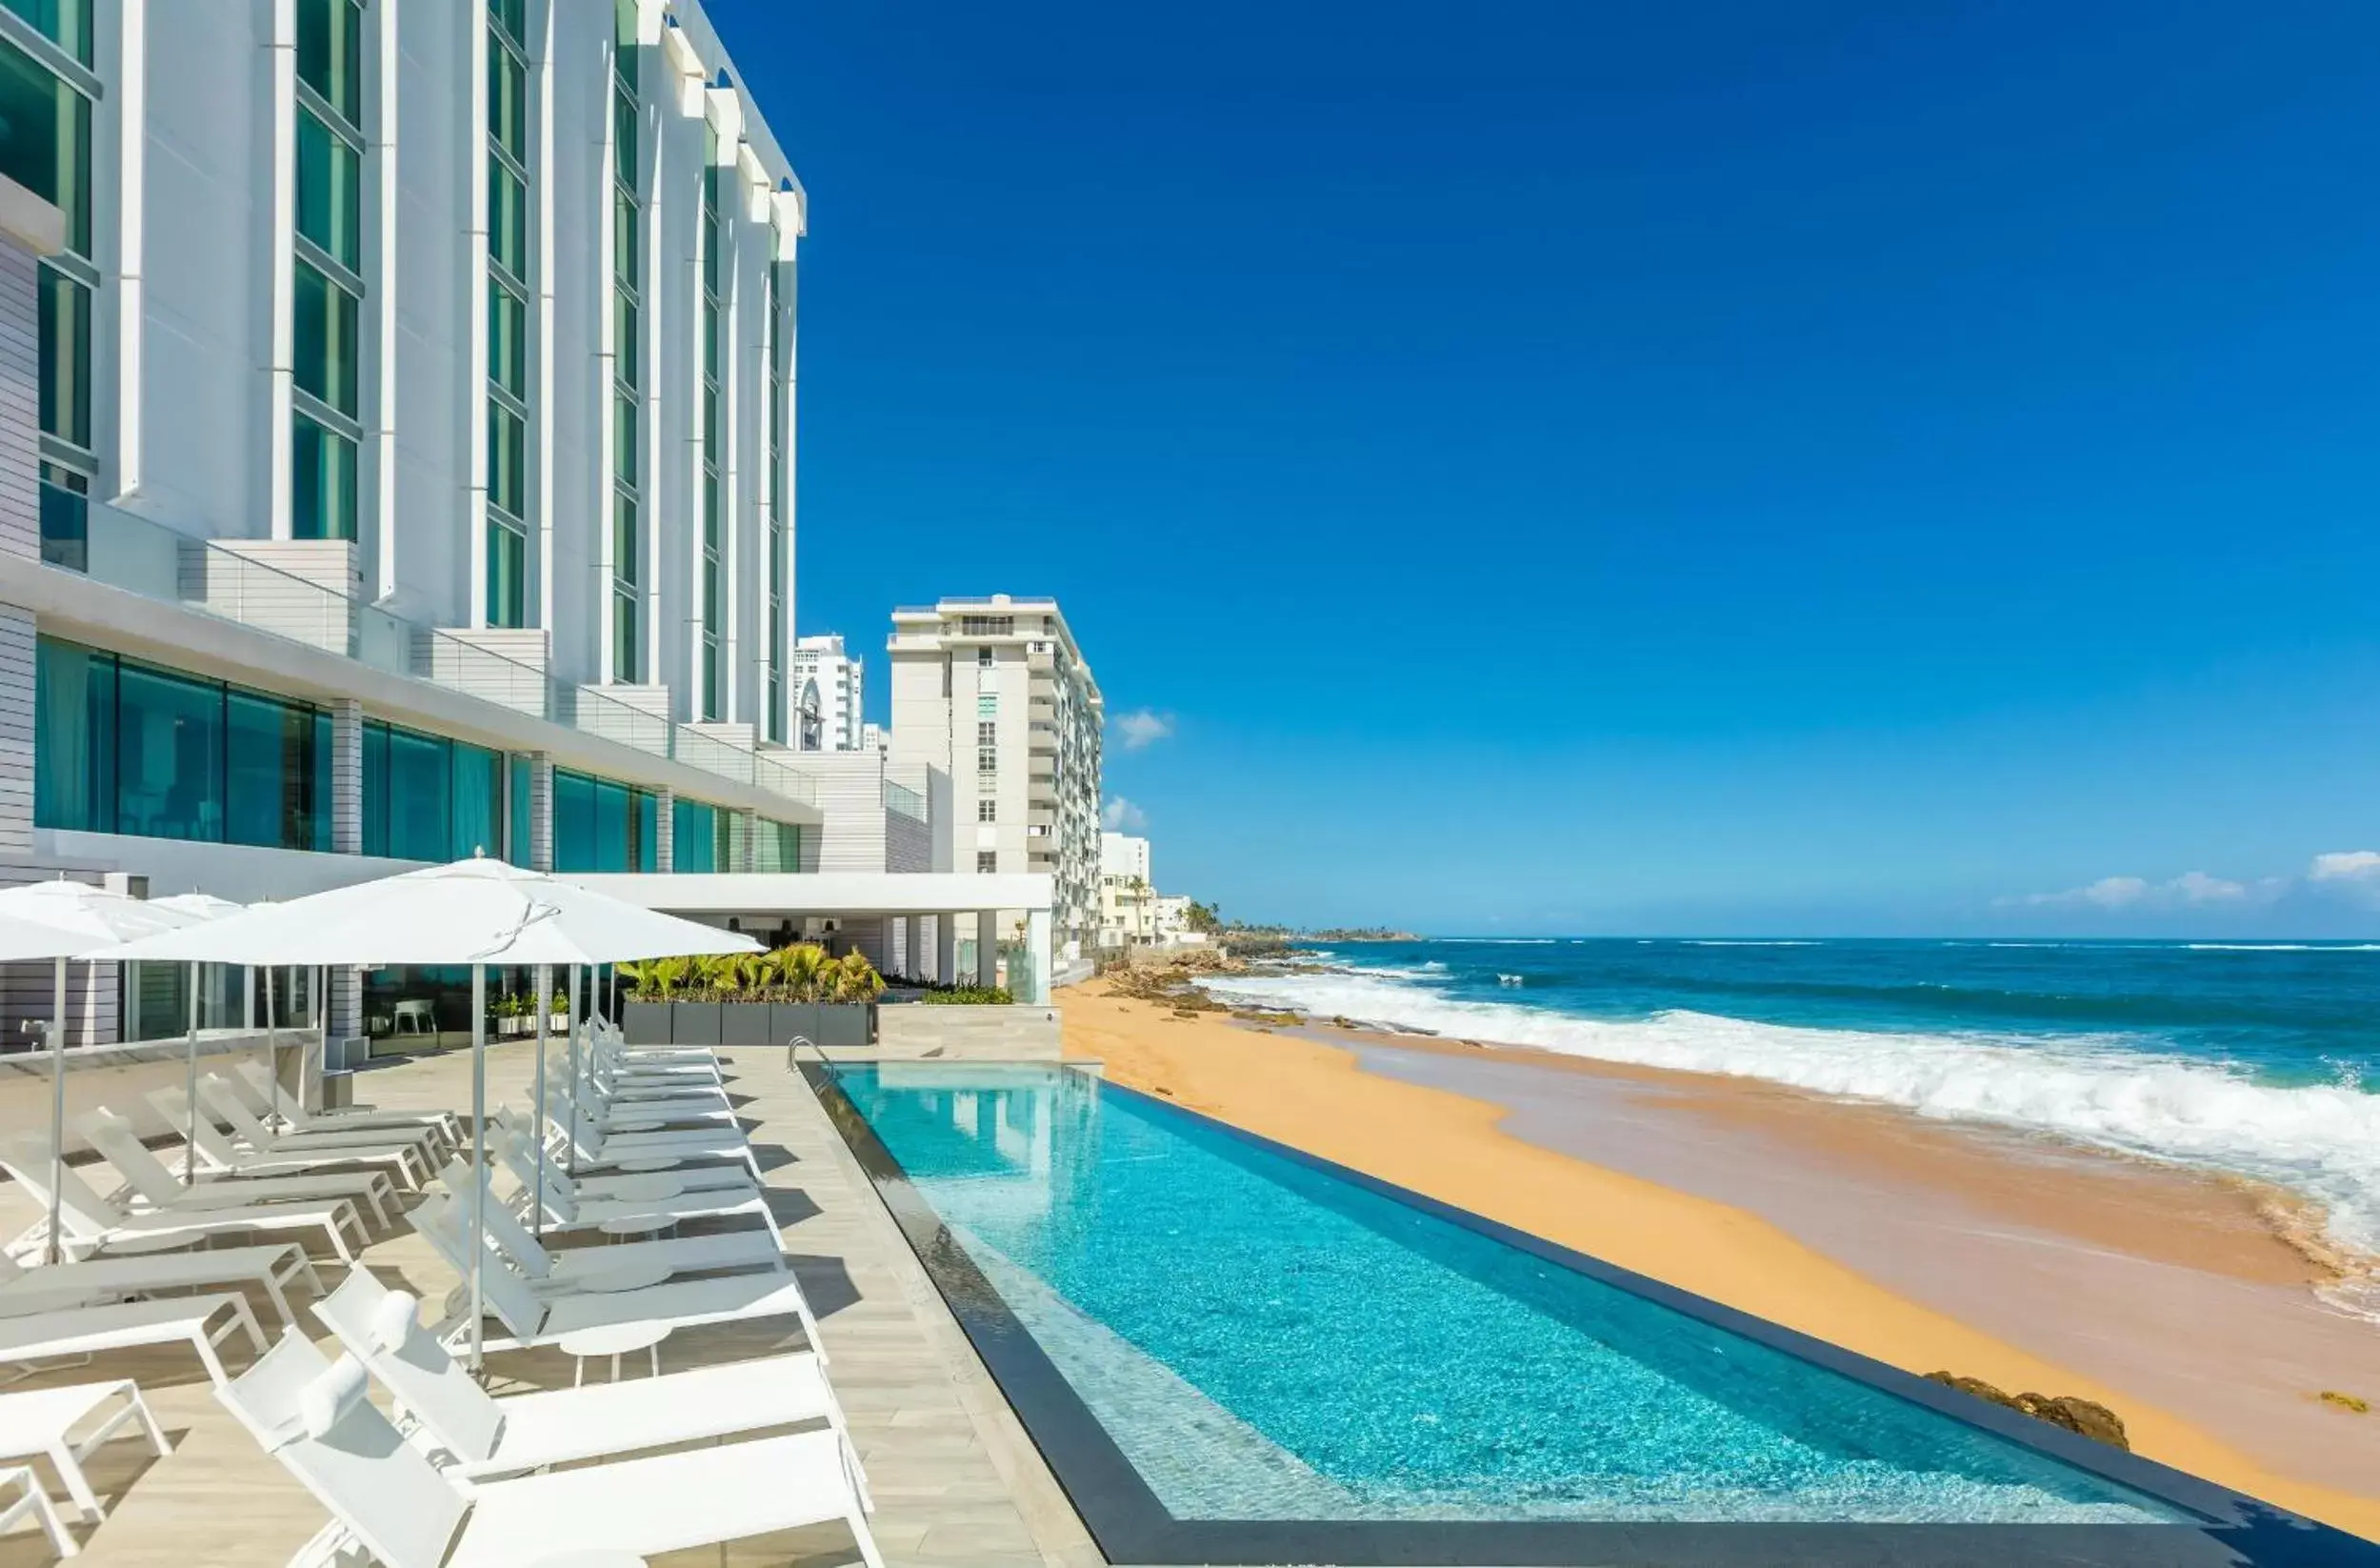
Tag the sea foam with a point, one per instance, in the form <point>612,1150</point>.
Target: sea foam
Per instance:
<point>2322,1140</point>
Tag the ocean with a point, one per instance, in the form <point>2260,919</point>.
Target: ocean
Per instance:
<point>2260,1060</point>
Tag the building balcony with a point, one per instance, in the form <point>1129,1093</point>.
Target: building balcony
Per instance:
<point>292,589</point>
<point>1041,737</point>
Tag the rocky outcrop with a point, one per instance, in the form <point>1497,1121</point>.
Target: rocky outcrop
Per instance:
<point>2084,1418</point>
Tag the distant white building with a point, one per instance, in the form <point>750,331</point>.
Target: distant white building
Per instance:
<point>1127,898</point>
<point>1169,914</point>
<point>829,689</point>
<point>872,738</point>
<point>1124,855</point>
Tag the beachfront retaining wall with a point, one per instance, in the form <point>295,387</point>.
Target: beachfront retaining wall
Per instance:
<point>982,1034</point>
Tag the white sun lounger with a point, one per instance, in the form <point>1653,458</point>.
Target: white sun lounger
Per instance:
<point>120,1145</point>
<point>272,1267</point>
<point>91,1223</point>
<point>490,1437</point>
<point>396,1506</point>
<point>87,1331</point>
<point>256,1086</point>
<point>531,1318</point>
<point>508,1144</point>
<point>409,1155</point>
<point>31,1499</point>
<point>44,1422</point>
<point>571,1268</point>
<point>220,1156</point>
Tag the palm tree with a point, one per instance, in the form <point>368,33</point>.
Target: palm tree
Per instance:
<point>856,979</point>
<point>655,977</point>
<point>797,968</point>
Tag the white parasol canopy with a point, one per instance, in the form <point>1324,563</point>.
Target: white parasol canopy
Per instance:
<point>477,912</point>
<point>61,921</point>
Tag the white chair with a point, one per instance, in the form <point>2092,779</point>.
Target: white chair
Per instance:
<point>265,1098</point>
<point>221,1157</point>
<point>531,1318</point>
<point>488,1436</point>
<point>31,1499</point>
<point>572,1269</point>
<point>626,1115</point>
<point>405,1154</point>
<point>44,1422</point>
<point>119,1144</point>
<point>87,1331</point>
<point>91,1223</point>
<point>660,1197</point>
<point>272,1267</point>
<point>416,1017</point>
<point>397,1506</point>
<point>509,1141</point>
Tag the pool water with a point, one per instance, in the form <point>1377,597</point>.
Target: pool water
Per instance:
<point>1267,1340</point>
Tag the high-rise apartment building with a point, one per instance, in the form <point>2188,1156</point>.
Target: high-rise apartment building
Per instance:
<point>830,688</point>
<point>996,691</point>
<point>416,396</point>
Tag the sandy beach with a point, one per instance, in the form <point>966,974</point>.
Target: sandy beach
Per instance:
<point>2176,1298</point>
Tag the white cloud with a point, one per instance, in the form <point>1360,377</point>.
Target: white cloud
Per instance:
<point>2346,866</point>
<point>2192,889</point>
<point>1141,727</point>
<point>1121,815</point>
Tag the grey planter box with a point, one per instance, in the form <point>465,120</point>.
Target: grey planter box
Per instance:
<point>745,1023</point>
<point>787,1020</point>
<point>694,1023</point>
<point>645,1023</point>
<point>847,1024</point>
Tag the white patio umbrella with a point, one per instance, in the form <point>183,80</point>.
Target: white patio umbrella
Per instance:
<point>77,917</point>
<point>475,912</point>
<point>202,907</point>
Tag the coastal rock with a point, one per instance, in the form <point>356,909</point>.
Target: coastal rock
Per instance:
<point>2084,1418</point>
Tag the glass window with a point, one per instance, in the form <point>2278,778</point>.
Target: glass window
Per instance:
<point>75,721</point>
<point>624,39</point>
<point>710,679</point>
<point>693,836</point>
<point>507,339</point>
<point>623,138</point>
<point>324,351</point>
<point>170,745</point>
<point>645,852</point>
<point>65,519</point>
<point>508,14</point>
<point>376,749</point>
<point>627,240</point>
<point>625,452</point>
<point>330,175</point>
<point>626,340</point>
<point>507,459</point>
<point>507,574</point>
<point>331,54</point>
<point>986,811</point>
<point>45,139</point>
<point>624,553</point>
<point>624,664</point>
<point>67,23</point>
<point>478,785</point>
<point>508,220</point>
<point>711,508</point>
<point>573,821</point>
<point>318,810</point>
<point>65,330</point>
<point>508,99</point>
<point>322,481</point>
<point>420,798</point>
<point>612,820</point>
<point>987,862</point>
<point>268,757</point>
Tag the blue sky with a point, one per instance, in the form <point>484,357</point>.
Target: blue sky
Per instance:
<point>1715,467</point>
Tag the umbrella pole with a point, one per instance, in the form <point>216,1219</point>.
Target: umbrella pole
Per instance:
<point>273,1046</point>
<point>569,1150</point>
<point>479,1151</point>
<point>190,1092</point>
<point>57,1105</point>
<point>537,1188</point>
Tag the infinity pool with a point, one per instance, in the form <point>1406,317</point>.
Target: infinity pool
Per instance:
<point>1264,1338</point>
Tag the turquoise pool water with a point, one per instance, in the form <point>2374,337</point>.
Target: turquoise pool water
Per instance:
<point>1266,1340</point>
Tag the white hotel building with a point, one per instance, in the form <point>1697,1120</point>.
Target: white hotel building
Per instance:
<point>413,472</point>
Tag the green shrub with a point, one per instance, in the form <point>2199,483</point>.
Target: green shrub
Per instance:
<point>969,995</point>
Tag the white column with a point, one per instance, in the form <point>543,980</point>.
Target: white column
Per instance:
<point>540,811</point>
<point>665,830</point>
<point>986,947</point>
<point>945,964</point>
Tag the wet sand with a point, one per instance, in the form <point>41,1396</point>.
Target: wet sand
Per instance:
<point>2170,1297</point>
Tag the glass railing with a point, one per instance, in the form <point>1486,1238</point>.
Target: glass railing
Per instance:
<point>906,802</point>
<point>160,563</point>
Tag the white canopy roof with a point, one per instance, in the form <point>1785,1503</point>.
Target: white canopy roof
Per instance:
<point>473,911</point>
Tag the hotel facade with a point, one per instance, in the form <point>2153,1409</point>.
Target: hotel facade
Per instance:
<point>405,456</point>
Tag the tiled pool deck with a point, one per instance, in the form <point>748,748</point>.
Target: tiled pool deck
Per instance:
<point>956,1480</point>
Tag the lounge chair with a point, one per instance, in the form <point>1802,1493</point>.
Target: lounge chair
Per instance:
<point>91,1223</point>
<point>272,1267</point>
<point>566,1191</point>
<point>565,1268</point>
<point>490,1437</point>
<point>531,1318</point>
<point>405,1153</point>
<point>31,1499</point>
<point>44,1422</point>
<point>87,1331</point>
<point>599,1146</point>
<point>119,1144</point>
<point>664,1200</point>
<point>251,1079</point>
<point>219,1155</point>
<point>397,1506</point>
